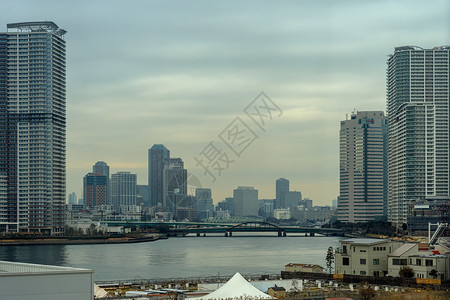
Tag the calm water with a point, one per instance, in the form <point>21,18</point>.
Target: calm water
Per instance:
<point>180,257</point>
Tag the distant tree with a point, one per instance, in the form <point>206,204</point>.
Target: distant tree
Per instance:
<point>406,272</point>
<point>330,259</point>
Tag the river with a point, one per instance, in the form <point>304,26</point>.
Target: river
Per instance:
<point>180,257</point>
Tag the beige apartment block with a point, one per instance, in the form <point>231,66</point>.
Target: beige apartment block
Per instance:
<point>366,257</point>
<point>422,259</point>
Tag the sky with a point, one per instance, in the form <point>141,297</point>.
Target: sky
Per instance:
<point>181,73</point>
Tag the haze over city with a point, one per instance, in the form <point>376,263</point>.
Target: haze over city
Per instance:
<point>178,73</point>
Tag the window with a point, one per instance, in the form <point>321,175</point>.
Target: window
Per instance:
<point>418,262</point>
<point>362,272</point>
<point>362,250</point>
<point>345,261</point>
<point>428,262</point>
<point>362,261</point>
<point>376,273</point>
<point>344,249</point>
<point>399,262</point>
<point>376,261</point>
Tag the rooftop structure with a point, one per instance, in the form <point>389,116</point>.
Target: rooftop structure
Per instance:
<point>32,281</point>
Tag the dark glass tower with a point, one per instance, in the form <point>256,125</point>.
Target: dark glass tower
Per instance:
<point>157,156</point>
<point>282,187</point>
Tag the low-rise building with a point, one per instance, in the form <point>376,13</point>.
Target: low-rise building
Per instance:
<point>367,257</point>
<point>429,262</point>
<point>31,281</point>
<point>291,267</point>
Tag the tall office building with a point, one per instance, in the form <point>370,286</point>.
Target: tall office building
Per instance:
<point>282,187</point>
<point>418,97</point>
<point>95,190</point>
<point>174,183</point>
<point>204,202</point>
<point>123,189</point>
<point>245,201</point>
<point>157,156</point>
<point>102,168</point>
<point>32,128</point>
<point>363,169</point>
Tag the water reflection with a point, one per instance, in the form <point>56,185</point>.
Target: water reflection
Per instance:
<point>46,254</point>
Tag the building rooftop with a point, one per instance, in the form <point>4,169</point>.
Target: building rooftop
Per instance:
<point>8,268</point>
<point>39,26</point>
<point>402,249</point>
<point>361,241</point>
<point>303,265</point>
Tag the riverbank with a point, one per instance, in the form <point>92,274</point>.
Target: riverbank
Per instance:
<point>80,240</point>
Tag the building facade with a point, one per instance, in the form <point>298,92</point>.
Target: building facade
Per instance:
<point>157,156</point>
<point>174,183</point>
<point>363,167</point>
<point>32,128</point>
<point>123,189</point>
<point>95,190</point>
<point>281,188</point>
<point>245,201</point>
<point>418,109</point>
<point>204,202</point>
<point>366,257</point>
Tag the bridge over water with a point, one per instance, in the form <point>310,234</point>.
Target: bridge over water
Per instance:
<point>184,228</point>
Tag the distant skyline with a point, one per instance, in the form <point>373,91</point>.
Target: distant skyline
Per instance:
<point>178,73</point>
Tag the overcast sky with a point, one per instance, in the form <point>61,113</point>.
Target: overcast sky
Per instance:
<point>179,72</point>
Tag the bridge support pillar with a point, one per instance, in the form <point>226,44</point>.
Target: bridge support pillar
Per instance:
<point>284,233</point>
<point>226,234</point>
<point>312,234</point>
<point>279,233</point>
<point>231,233</point>
<point>198,233</point>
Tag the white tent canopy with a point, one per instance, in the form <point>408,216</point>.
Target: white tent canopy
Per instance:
<point>237,287</point>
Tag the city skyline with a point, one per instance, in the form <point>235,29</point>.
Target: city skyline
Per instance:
<point>180,74</point>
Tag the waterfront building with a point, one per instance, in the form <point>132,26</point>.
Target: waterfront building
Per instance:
<point>142,195</point>
<point>95,190</point>
<point>282,213</point>
<point>101,167</point>
<point>157,155</point>
<point>292,199</point>
<point>123,189</point>
<point>265,207</point>
<point>418,109</point>
<point>245,201</point>
<point>174,183</point>
<point>422,259</point>
<point>363,167</point>
<point>204,203</point>
<point>282,187</point>
<point>32,128</point>
<point>367,257</point>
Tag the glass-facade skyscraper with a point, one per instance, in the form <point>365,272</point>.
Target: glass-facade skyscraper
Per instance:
<point>32,128</point>
<point>418,108</point>
<point>157,156</point>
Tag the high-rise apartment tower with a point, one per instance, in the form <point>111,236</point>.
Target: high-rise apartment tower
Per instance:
<point>32,128</point>
<point>418,96</point>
